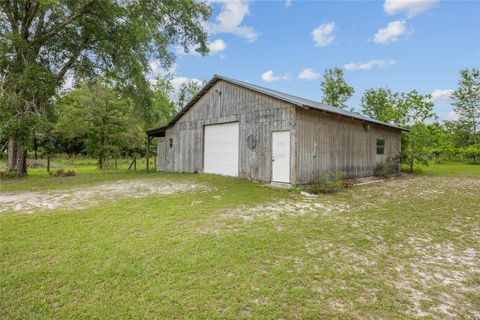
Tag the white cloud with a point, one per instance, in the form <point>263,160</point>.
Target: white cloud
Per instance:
<point>368,65</point>
<point>441,95</point>
<point>308,74</point>
<point>323,34</point>
<point>269,76</point>
<point>409,7</point>
<point>217,46</point>
<point>288,3</point>
<point>230,19</point>
<point>214,46</point>
<point>391,33</point>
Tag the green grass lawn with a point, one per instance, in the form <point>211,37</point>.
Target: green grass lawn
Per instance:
<point>446,168</point>
<point>402,249</point>
<point>86,170</point>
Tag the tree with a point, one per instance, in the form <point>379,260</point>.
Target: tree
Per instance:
<point>42,42</point>
<point>436,141</point>
<point>187,91</point>
<point>472,152</point>
<point>467,100</point>
<point>163,109</point>
<point>458,133</point>
<point>379,104</point>
<point>418,108</point>
<point>103,117</point>
<point>336,90</point>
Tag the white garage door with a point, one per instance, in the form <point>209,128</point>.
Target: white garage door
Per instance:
<point>221,149</point>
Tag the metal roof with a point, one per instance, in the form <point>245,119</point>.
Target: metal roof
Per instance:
<point>297,101</point>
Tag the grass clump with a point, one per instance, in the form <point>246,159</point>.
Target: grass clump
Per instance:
<point>333,181</point>
<point>62,173</point>
<point>5,175</point>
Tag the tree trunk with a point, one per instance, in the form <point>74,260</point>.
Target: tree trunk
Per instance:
<point>48,163</point>
<point>414,150</point>
<point>17,158</point>
<point>12,154</point>
<point>35,147</point>
<point>100,161</point>
<point>21,165</point>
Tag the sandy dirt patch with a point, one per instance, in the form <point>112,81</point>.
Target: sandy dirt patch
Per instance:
<point>273,211</point>
<point>439,267</point>
<point>81,198</point>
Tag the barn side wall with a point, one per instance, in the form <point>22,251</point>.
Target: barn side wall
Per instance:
<point>330,142</point>
<point>258,115</point>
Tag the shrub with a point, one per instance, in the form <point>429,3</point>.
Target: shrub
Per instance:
<point>333,181</point>
<point>5,174</point>
<point>386,169</point>
<point>62,173</point>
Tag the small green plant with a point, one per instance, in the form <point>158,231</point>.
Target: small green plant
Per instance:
<point>62,173</point>
<point>333,181</point>
<point>5,174</point>
<point>386,169</point>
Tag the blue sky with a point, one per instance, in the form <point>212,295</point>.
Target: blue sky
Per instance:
<point>287,45</point>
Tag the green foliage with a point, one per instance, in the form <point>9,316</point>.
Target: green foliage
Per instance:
<point>467,102</point>
<point>472,152</point>
<point>187,91</point>
<point>62,173</point>
<point>380,104</point>
<point>458,133</point>
<point>6,175</point>
<point>43,41</point>
<point>333,181</point>
<point>336,90</point>
<point>163,108</point>
<point>103,118</point>
<point>386,169</point>
<point>417,109</point>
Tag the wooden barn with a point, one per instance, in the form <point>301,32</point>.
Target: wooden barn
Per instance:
<point>238,129</point>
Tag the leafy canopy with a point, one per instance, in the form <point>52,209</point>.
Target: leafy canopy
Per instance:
<point>336,90</point>
<point>467,101</point>
<point>187,91</point>
<point>381,104</point>
<point>103,118</point>
<point>43,41</point>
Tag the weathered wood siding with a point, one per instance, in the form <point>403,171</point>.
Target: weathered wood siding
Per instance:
<point>330,142</point>
<point>258,115</point>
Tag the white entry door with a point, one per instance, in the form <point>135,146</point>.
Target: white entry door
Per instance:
<point>221,149</point>
<point>281,156</point>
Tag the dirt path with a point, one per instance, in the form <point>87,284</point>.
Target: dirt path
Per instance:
<point>80,198</point>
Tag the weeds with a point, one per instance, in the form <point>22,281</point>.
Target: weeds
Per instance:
<point>5,174</point>
<point>62,173</point>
